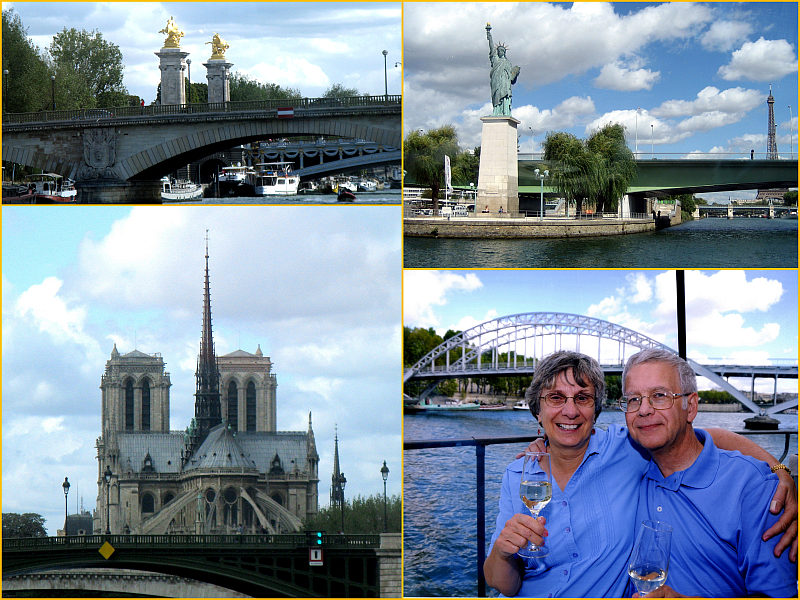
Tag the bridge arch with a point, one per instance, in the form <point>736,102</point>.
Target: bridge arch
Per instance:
<point>479,348</point>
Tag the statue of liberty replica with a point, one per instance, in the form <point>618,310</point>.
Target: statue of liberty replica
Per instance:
<point>498,177</point>
<point>502,76</point>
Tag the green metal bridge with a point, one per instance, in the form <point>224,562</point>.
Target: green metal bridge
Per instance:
<point>256,565</point>
<point>684,176</point>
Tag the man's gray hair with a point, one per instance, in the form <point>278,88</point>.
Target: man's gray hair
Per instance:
<point>685,372</point>
<point>585,370</point>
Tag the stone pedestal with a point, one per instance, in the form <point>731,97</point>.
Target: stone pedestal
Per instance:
<point>219,76</point>
<point>173,73</point>
<point>498,178</point>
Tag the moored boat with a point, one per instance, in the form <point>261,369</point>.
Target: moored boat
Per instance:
<point>179,191</point>
<point>49,188</point>
<point>428,405</point>
<point>233,181</point>
<point>274,179</point>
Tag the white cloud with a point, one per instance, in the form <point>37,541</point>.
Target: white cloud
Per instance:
<point>710,99</point>
<point>762,60</point>
<point>724,35</point>
<point>616,76</point>
<point>424,290</point>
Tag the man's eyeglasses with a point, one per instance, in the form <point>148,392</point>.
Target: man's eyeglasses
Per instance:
<point>658,400</point>
<point>557,400</point>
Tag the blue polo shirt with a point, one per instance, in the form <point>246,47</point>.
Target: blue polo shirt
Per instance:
<point>590,522</point>
<point>718,509</point>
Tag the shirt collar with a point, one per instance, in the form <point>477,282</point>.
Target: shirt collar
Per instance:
<point>699,474</point>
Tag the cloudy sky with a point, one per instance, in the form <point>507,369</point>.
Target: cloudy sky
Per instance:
<point>745,317</point>
<point>699,73</point>
<point>317,288</point>
<point>304,45</point>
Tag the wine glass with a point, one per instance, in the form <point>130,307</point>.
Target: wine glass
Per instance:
<point>650,559</point>
<point>536,490</point>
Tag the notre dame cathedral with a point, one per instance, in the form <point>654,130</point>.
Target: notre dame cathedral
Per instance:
<point>230,471</point>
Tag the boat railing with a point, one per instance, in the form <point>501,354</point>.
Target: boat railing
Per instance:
<point>86,116</point>
<point>480,445</point>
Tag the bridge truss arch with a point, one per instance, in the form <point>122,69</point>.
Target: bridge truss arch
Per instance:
<point>501,347</point>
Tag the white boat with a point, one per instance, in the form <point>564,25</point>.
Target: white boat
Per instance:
<point>367,185</point>
<point>429,405</point>
<point>179,191</point>
<point>49,188</point>
<point>343,183</point>
<point>275,179</point>
<point>521,405</point>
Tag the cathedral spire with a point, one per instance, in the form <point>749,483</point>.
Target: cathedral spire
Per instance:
<point>207,397</point>
<point>337,479</point>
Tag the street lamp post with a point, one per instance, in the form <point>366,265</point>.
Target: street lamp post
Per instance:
<point>5,89</point>
<point>342,482</point>
<point>189,73</point>
<point>107,476</point>
<point>385,76</point>
<point>652,143</point>
<point>541,177</point>
<point>53,89</point>
<point>791,134</point>
<point>385,475</point>
<point>66,487</point>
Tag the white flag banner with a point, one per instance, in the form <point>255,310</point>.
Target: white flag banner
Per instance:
<point>447,183</point>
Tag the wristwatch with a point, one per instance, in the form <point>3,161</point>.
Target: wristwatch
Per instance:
<point>780,466</point>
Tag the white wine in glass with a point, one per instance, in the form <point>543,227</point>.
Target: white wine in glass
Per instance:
<point>650,559</point>
<point>536,490</point>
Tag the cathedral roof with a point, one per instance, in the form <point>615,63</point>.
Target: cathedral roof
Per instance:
<point>238,353</point>
<point>136,354</point>
<point>164,449</point>
<point>221,449</point>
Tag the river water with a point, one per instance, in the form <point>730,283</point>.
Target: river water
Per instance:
<point>439,493</point>
<point>382,197</point>
<point>706,243</point>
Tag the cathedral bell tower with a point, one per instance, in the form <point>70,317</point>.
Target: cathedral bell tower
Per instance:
<point>207,397</point>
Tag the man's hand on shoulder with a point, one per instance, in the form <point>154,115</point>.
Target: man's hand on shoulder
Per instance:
<point>785,499</point>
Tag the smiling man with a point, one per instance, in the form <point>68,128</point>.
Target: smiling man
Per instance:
<point>716,501</point>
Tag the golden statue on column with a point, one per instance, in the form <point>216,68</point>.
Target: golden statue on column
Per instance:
<point>218,47</point>
<point>174,34</point>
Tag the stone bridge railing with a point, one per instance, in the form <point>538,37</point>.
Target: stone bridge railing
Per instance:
<point>86,116</point>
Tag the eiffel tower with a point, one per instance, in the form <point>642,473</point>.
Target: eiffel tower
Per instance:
<point>772,146</point>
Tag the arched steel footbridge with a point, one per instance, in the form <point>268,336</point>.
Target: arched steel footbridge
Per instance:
<point>512,345</point>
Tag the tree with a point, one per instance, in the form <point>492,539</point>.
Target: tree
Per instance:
<point>361,515</point>
<point>424,154</point>
<point>17,525</point>
<point>466,166</point>
<point>244,89</point>
<point>617,166</point>
<point>88,70</point>
<point>26,88</point>
<point>575,170</point>
<point>790,198</point>
<point>337,90</point>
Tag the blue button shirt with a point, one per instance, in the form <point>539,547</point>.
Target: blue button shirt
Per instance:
<point>590,522</point>
<point>719,509</point>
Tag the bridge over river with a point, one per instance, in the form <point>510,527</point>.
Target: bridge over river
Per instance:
<point>509,346</point>
<point>268,566</point>
<point>120,154</point>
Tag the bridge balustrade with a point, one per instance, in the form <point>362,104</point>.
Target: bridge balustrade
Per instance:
<point>88,115</point>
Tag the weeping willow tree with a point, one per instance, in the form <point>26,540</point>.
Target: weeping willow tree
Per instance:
<point>597,171</point>
<point>423,157</point>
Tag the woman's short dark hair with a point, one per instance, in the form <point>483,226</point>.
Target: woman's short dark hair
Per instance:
<point>585,370</point>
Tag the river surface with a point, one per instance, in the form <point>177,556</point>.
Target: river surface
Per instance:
<point>439,494</point>
<point>382,197</point>
<point>706,243</point>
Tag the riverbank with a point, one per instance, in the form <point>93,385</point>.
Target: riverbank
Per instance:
<point>495,227</point>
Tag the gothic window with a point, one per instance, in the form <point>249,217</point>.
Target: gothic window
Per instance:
<point>148,503</point>
<point>146,405</point>
<point>233,406</point>
<point>275,467</point>
<point>147,465</point>
<point>251,406</point>
<point>129,405</point>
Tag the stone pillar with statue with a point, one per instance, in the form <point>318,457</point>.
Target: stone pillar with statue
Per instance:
<point>172,62</point>
<point>218,71</point>
<point>498,178</point>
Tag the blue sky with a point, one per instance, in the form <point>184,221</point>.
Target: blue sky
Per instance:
<point>746,317</point>
<point>317,288</point>
<point>698,72</point>
<point>305,46</point>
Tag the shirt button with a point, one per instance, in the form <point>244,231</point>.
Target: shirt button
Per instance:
<point>574,555</point>
<point>565,572</point>
<point>566,530</point>
<point>659,509</point>
<point>564,503</point>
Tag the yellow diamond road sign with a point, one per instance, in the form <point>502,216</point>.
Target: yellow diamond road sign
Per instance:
<point>106,550</point>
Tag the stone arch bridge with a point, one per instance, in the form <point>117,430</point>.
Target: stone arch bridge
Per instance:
<point>511,345</point>
<point>120,154</point>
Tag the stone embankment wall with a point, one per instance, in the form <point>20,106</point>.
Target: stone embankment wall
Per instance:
<point>511,228</point>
